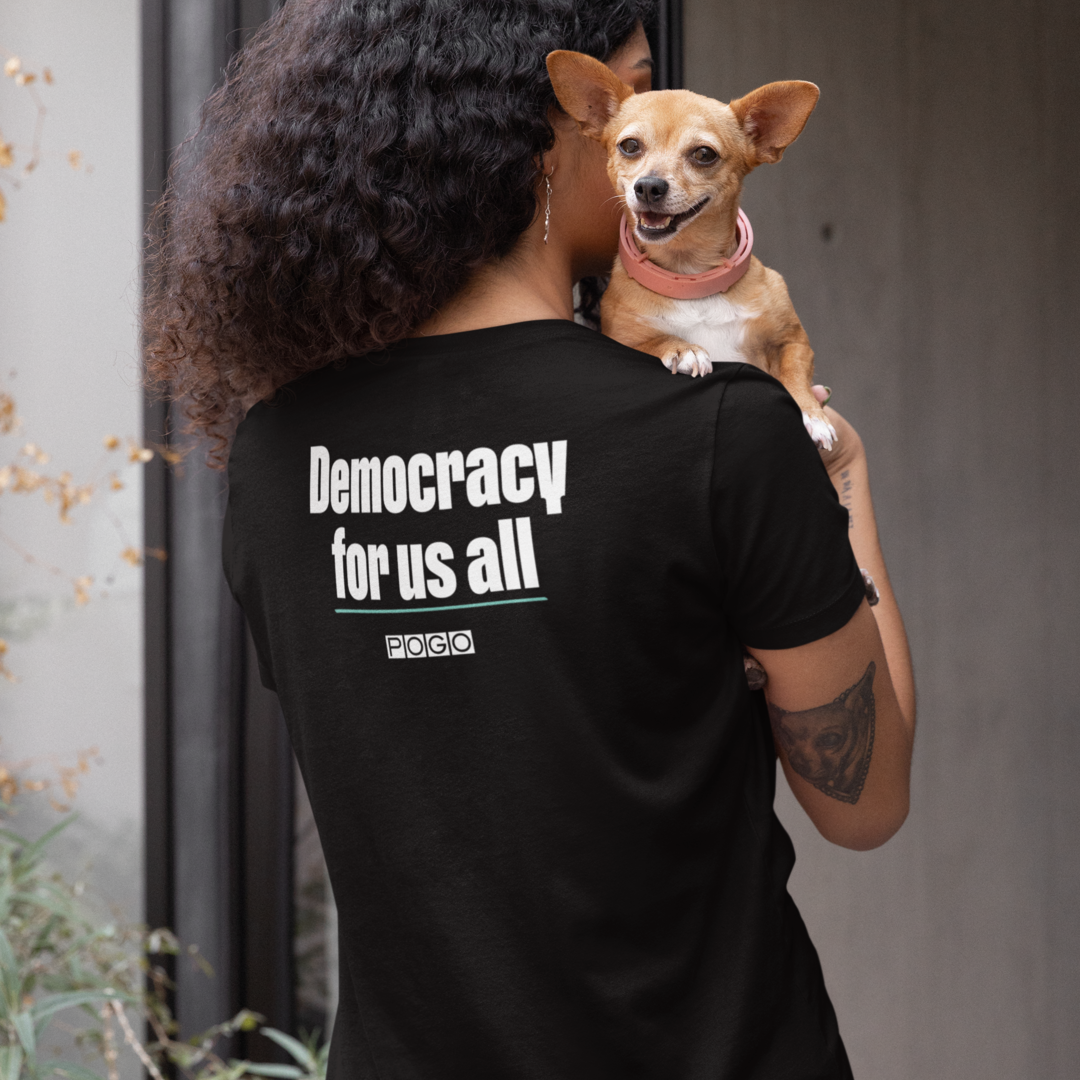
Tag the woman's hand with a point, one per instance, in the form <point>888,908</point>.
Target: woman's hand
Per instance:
<point>848,447</point>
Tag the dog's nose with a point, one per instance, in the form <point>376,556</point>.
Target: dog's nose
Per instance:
<point>650,189</point>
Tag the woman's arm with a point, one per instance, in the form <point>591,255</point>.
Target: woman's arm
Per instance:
<point>848,470</point>
<point>843,707</point>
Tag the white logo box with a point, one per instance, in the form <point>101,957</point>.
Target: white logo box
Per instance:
<point>421,646</point>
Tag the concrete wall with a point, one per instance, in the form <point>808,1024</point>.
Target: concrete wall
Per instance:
<point>68,351</point>
<point>927,225</point>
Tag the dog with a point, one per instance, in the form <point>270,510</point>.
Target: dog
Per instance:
<point>685,286</point>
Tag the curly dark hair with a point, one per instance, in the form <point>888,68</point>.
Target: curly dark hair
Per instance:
<point>360,160</point>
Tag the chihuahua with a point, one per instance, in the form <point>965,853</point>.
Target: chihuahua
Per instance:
<point>685,286</point>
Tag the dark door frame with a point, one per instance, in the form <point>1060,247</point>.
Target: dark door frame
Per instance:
<point>218,767</point>
<point>666,40</point>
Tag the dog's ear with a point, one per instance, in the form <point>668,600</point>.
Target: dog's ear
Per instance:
<point>588,90</point>
<point>773,116</point>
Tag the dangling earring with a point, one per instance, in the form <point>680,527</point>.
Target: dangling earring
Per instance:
<point>547,208</point>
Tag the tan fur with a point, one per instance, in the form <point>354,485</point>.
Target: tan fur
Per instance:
<point>669,126</point>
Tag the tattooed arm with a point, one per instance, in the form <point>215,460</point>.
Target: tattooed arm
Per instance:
<point>847,467</point>
<point>843,707</point>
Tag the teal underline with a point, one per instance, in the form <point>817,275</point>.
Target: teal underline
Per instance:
<point>444,607</point>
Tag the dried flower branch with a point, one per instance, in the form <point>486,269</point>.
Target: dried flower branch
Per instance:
<point>133,1042</point>
<point>108,1047</point>
<point>14,70</point>
<point>4,670</point>
<point>14,782</point>
<point>25,474</point>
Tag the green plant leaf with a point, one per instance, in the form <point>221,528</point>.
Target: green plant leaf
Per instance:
<point>7,954</point>
<point>47,1007</point>
<point>161,941</point>
<point>233,1071</point>
<point>285,1072</point>
<point>298,1050</point>
<point>246,1020</point>
<point>52,900</point>
<point>76,1072</point>
<point>9,972</point>
<point>23,1023</point>
<point>31,853</point>
<point>11,1060</point>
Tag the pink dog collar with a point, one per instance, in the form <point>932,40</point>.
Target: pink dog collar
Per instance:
<point>687,286</point>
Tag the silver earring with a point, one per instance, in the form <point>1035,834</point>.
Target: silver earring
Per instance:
<point>547,210</point>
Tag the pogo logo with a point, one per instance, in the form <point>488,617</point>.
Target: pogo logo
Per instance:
<point>418,646</point>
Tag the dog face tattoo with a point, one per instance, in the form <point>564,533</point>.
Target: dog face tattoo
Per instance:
<point>830,746</point>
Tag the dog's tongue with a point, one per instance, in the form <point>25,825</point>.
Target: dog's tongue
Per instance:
<point>656,221</point>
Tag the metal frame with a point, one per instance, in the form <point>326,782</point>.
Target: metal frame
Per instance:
<point>218,766</point>
<point>666,39</point>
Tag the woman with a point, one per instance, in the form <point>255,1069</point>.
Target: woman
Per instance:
<point>501,570</point>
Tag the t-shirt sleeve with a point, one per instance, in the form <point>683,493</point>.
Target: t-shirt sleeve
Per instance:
<point>789,574</point>
<point>229,559</point>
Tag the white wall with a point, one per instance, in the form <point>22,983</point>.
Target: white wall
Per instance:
<point>68,352</point>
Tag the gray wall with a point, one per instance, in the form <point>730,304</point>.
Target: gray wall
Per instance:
<point>943,162</point>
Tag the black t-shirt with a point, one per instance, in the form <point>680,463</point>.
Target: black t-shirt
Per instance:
<point>501,582</point>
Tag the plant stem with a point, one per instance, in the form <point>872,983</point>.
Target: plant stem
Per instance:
<point>129,1038</point>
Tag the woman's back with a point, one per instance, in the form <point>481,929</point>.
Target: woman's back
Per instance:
<point>501,581</point>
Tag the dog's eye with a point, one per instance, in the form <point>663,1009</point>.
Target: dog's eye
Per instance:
<point>704,155</point>
<point>629,147</point>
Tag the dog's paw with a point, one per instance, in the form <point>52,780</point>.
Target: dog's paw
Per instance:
<point>821,431</point>
<point>687,360</point>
